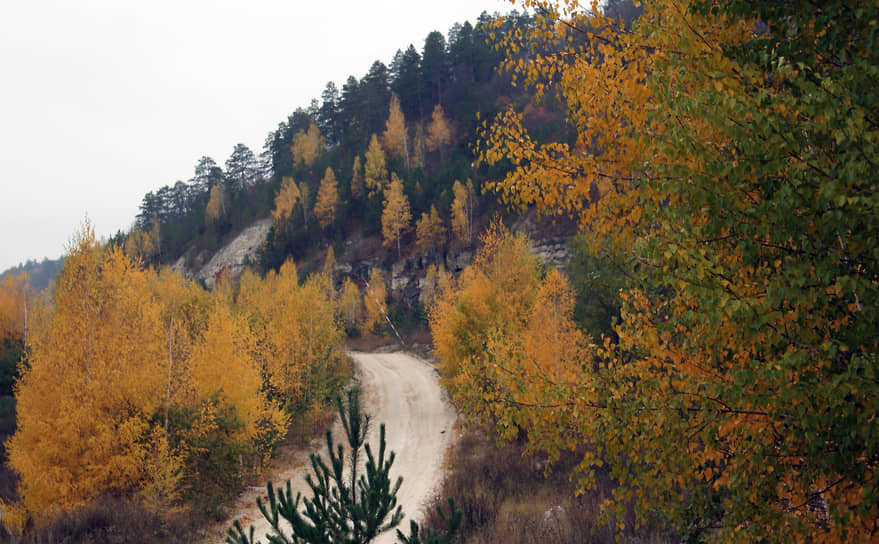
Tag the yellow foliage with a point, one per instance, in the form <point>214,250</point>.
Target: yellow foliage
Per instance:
<point>357,178</point>
<point>439,134</point>
<point>375,172</point>
<point>14,299</point>
<point>430,231</point>
<point>327,199</point>
<point>120,349</point>
<point>222,365</point>
<point>287,197</point>
<point>395,139</point>
<point>144,245</point>
<point>350,304</point>
<point>307,146</point>
<point>463,207</point>
<point>494,296</point>
<point>93,380</point>
<point>437,282</point>
<point>296,337</point>
<point>396,215</point>
<point>216,207</point>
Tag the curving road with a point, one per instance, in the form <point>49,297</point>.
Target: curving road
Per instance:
<point>401,391</point>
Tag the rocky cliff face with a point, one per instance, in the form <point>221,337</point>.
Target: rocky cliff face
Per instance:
<point>405,275</point>
<point>234,257</point>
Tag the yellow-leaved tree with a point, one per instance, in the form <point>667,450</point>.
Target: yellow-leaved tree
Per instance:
<point>395,138</point>
<point>430,231</point>
<point>375,171</point>
<point>327,199</point>
<point>493,299</point>
<point>304,201</point>
<point>15,296</point>
<point>307,146</point>
<point>723,146</point>
<point>436,282</point>
<point>216,206</point>
<point>350,305</point>
<point>463,207</point>
<point>286,199</point>
<point>142,244</point>
<point>93,381</point>
<point>439,133</point>
<point>296,336</point>
<point>396,215</point>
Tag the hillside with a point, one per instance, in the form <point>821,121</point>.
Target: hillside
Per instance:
<point>699,364</point>
<point>324,176</point>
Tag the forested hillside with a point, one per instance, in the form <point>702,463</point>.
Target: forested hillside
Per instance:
<point>704,369</point>
<point>389,154</point>
<point>138,383</point>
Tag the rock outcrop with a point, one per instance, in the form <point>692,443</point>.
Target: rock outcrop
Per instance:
<point>233,257</point>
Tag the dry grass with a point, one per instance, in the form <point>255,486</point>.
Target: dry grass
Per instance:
<point>109,520</point>
<point>507,498</point>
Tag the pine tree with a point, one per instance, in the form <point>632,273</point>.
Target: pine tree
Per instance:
<point>350,508</point>
<point>345,508</point>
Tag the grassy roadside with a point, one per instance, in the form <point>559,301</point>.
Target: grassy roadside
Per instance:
<point>508,498</point>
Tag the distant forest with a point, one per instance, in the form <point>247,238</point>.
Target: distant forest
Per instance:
<point>40,273</point>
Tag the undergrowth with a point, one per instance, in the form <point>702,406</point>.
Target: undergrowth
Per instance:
<point>509,498</point>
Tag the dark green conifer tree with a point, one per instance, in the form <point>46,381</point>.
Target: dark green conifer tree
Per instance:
<point>345,508</point>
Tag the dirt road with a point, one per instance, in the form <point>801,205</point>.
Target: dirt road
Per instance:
<point>402,392</point>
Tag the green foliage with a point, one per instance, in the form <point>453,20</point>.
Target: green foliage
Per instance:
<point>10,357</point>
<point>344,508</point>
<point>598,274</point>
<point>732,148</point>
<point>212,456</point>
<point>452,521</point>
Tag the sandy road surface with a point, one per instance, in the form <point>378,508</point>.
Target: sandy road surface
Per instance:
<point>402,392</point>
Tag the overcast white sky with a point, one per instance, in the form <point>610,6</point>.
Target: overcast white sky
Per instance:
<point>104,100</point>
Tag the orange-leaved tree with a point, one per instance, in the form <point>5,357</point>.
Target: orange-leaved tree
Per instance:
<point>510,350</point>
<point>725,147</point>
